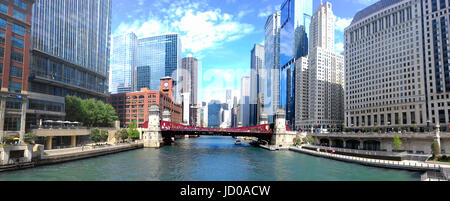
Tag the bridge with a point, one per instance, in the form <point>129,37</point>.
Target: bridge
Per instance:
<point>155,130</point>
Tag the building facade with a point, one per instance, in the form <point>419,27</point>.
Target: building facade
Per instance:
<point>326,73</point>
<point>436,16</point>
<point>245,102</point>
<point>294,33</point>
<point>134,106</point>
<point>214,108</point>
<point>272,65</point>
<point>385,84</point>
<point>70,55</point>
<point>257,78</point>
<point>123,64</point>
<point>15,32</point>
<point>189,78</point>
<point>161,56</point>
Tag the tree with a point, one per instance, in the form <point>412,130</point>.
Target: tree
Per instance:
<point>310,140</point>
<point>297,141</point>
<point>435,149</point>
<point>397,143</point>
<point>133,133</point>
<point>90,112</point>
<point>30,138</point>
<point>415,127</point>
<point>95,135</point>
<point>122,134</point>
<point>104,135</point>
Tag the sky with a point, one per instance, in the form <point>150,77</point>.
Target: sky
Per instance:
<point>220,33</point>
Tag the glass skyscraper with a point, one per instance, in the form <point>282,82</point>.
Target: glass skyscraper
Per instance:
<point>295,22</point>
<point>161,56</point>
<point>70,51</point>
<point>123,63</point>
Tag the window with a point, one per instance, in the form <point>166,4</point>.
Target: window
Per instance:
<point>16,56</point>
<point>18,29</point>
<point>16,42</point>
<point>20,15</point>
<point>20,4</point>
<point>2,37</point>
<point>1,69</point>
<point>2,23</point>
<point>12,123</point>
<point>12,103</point>
<point>15,87</point>
<point>3,8</point>
<point>15,72</point>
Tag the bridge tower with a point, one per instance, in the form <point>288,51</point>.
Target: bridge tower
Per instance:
<point>152,136</point>
<point>282,137</point>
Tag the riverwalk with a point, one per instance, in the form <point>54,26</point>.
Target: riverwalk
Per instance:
<point>49,157</point>
<point>65,155</point>
<point>403,165</point>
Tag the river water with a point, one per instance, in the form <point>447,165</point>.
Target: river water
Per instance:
<point>208,159</point>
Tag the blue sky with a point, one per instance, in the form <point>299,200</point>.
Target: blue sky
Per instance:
<point>221,33</point>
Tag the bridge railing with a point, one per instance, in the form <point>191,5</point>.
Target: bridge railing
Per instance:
<point>170,126</point>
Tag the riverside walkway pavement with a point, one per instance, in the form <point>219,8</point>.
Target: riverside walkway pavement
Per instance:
<point>404,165</point>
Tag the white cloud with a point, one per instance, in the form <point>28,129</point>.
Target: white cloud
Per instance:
<point>200,28</point>
<point>342,23</point>
<point>367,2</point>
<point>265,12</point>
<point>339,47</point>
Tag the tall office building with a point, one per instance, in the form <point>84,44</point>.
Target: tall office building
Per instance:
<point>123,64</point>
<point>189,78</point>
<point>272,65</point>
<point>436,15</point>
<point>157,57</point>
<point>245,102</point>
<point>294,33</point>
<point>326,73</point>
<point>15,25</point>
<point>258,77</point>
<point>214,111</point>
<point>70,50</point>
<point>302,93</point>
<point>386,84</point>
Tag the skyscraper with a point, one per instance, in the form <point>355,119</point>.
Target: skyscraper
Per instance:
<point>161,56</point>
<point>257,76</point>
<point>214,117</point>
<point>436,17</point>
<point>123,64</point>
<point>15,25</point>
<point>272,65</point>
<point>245,102</point>
<point>189,78</point>
<point>326,73</point>
<point>295,21</point>
<point>70,54</point>
<point>386,81</point>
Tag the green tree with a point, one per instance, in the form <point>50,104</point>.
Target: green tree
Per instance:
<point>104,135</point>
<point>297,141</point>
<point>90,112</point>
<point>122,134</point>
<point>435,149</point>
<point>397,143</point>
<point>95,135</point>
<point>415,127</point>
<point>30,138</point>
<point>133,133</point>
<point>310,139</point>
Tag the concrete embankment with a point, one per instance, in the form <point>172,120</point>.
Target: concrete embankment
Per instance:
<point>83,153</point>
<point>402,165</point>
<point>65,155</point>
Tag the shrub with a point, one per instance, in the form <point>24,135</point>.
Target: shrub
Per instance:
<point>8,139</point>
<point>435,149</point>
<point>30,138</point>
<point>397,143</point>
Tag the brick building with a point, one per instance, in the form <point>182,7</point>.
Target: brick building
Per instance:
<point>15,26</point>
<point>135,105</point>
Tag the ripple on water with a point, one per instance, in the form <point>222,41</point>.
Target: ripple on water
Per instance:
<point>208,159</point>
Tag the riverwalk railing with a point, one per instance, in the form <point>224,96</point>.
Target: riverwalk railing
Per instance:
<point>411,165</point>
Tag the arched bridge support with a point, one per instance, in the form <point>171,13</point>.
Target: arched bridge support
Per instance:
<point>152,136</point>
<point>282,137</point>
